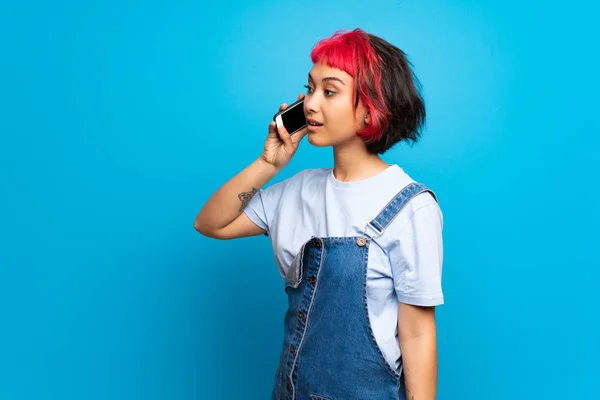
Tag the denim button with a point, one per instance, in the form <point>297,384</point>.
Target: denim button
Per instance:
<point>317,244</point>
<point>312,280</point>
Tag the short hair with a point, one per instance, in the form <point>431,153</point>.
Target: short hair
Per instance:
<point>383,80</point>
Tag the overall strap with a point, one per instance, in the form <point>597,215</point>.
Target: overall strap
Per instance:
<point>393,208</point>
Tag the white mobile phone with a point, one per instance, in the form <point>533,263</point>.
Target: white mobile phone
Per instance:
<point>292,118</point>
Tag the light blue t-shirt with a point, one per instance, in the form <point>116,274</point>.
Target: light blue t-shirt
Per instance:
<point>405,262</point>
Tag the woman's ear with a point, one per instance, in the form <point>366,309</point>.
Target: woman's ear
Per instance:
<point>367,119</point>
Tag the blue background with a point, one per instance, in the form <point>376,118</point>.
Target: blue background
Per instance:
<point>119,120</point>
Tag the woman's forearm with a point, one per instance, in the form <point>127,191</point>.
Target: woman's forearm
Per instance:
<point>418,344</point>
<point>230,199</point>
<point>419,355</point>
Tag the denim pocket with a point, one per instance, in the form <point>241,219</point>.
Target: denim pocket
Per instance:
<point>293,276</point>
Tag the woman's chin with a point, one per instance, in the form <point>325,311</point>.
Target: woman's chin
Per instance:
<point>314,140</point>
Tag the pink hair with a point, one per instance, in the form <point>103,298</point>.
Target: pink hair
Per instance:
<point>351,52</point>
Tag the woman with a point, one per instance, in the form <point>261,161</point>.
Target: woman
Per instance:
<point>359,245</point>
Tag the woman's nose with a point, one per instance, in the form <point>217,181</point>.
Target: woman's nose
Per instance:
<point>310,105</point>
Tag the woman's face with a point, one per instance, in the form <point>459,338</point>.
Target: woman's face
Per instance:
<point>329,109</point>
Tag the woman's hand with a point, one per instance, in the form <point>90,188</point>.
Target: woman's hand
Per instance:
<point>280,147</point>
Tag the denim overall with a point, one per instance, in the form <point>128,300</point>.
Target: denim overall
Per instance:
<point>329,350</point>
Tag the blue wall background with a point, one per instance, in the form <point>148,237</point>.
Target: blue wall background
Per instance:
<point>118,120</point>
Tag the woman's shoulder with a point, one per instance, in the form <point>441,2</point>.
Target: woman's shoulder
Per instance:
<point>306,179</point>
<point>423,202</point>
<point>402,180</point>
<point>307,176</point>
<point>313,173</point>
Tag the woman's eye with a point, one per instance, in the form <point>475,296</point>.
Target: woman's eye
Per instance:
<point>310,90</point>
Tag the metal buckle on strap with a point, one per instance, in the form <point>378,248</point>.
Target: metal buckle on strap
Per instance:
<point>362,241</point>
<point>379,232</point>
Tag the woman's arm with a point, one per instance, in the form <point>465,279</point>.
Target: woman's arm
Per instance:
<point>222,217</point>
<point>417,339</point>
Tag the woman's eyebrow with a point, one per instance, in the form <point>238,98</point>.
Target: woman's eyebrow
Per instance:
<point>328,78</point>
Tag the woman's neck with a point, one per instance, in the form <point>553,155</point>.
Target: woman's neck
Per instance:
<point>353,162</point>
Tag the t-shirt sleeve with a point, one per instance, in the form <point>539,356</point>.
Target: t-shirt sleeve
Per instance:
<point>263,206</point>
<point>416,258</point>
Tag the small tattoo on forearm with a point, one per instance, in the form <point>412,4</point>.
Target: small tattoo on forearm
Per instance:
<point>245,198</point>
